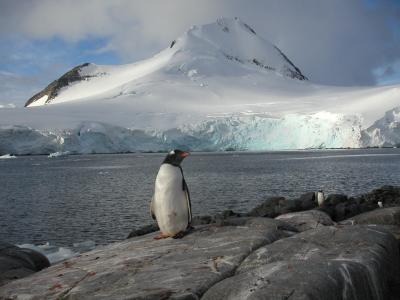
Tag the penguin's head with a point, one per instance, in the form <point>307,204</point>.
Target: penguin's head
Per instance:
<point>175,157</point>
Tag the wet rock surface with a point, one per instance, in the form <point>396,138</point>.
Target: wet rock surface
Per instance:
<point>380,216</point>
<point>355,262</point>
<point>144,268</point>
<point>388,218</point>
<point>305,220</point>
<point>16,262</point>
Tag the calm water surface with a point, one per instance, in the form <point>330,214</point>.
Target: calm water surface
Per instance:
<point>102,197</point>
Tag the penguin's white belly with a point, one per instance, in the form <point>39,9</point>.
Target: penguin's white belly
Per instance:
<point>320,198</point>
<point>170,204</point>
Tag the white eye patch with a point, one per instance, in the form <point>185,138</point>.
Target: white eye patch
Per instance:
<point>172,152</point>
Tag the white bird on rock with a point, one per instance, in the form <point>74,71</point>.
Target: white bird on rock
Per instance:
<point>171,205</point>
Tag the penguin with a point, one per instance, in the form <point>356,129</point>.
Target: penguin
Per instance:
<point>320,197</point>
<point>170,205</point>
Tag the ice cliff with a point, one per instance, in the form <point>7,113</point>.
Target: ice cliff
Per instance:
<point>236,132</point>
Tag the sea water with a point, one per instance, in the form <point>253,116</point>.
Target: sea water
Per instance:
<point>98,199</point>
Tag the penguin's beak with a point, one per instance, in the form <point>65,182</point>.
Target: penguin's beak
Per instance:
<point>184,154</point>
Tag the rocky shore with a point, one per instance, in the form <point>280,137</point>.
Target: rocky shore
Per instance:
<point>347,248</point>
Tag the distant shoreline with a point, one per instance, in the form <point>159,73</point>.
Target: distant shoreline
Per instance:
<point>216,152</point>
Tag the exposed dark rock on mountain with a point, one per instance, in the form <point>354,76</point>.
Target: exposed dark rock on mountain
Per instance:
<point>52,89</point>
<point>293,74</point>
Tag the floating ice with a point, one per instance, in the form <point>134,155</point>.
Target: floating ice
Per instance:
<point>57,254</point>
<point>59,154</point>
<point>7,156</point>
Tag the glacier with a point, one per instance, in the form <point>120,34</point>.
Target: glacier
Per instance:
<point>217,87</point>
<point>241,132</point>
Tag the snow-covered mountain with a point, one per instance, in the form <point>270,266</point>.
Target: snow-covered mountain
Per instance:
<point>385,131</point>
<point>228,47</point>
<point>218,86</point>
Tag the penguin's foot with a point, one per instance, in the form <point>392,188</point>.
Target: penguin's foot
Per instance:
<point>179,235</point>
<point>161,236</point>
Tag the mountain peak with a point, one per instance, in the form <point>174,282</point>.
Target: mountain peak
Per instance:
<point>230,24</point>
<point>227,48</point>
<point>233,39</point>
<point>226,23</point>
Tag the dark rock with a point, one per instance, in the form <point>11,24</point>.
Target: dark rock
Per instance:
<point>296,73</point>
<point>275,206</point>
<point>201,220</point>
<point>335,199</point>
<point>229,213</point>
<point>268,208</point>
<point>143,230</point>
<point>16,262</point>
<point>249,28</point>
<point>340,211</point>
<point>271,207</point>
<point>305,220</point>
<point>339,207</point>
<point>38,259</point>
<point>53,88</point>
<point>388,195</point>
<point>307,201</point>
<point>221,217</point>
<point>323,263</point>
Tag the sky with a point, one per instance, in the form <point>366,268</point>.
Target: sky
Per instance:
<point>340,42</point>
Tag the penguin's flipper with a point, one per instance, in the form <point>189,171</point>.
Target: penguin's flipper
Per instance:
<point>152,208</point>
<point>189,204</point>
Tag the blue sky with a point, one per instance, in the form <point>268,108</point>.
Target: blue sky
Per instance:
<point>341,42</point>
